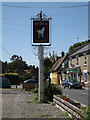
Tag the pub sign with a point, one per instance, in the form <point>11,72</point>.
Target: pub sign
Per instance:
<point>40,31</point>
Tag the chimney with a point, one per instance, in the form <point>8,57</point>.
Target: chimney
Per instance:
<point>62,54</point>
<point>57,58</point>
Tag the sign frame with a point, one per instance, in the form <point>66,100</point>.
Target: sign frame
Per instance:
<point>44,20</point>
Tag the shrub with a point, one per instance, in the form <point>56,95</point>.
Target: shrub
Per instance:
<point>28,75</point>
<point>86,112</point>
<point>21,79</point>
<point>13,77</point>
<point>2,75</point>
<point>50,90</point>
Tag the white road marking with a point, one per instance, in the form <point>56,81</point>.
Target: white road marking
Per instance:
<point>84,93</point>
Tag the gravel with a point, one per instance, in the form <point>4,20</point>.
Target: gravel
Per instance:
<point>20,104</point>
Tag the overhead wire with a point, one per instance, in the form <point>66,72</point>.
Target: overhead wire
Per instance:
<point>15,17</point>
<point>51,14</point>
<point>5,50</point>
<point>15,6</point>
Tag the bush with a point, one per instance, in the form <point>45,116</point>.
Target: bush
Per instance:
<point>13,77</point>
<point>28,75</point>
<point>21,79</point>
<point>86,112</point>
<point>50,90</point>
<point>2,75</point>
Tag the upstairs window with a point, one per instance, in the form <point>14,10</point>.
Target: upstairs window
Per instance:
<point>62,65</point>
<point>70,62</point>
<point>77,60</point>
<point>85,59</point>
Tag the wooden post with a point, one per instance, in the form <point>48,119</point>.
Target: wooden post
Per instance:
<point>41,73</point>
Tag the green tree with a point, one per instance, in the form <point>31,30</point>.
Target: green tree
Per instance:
<point>75,45</point>
<point>28,75</point>
<point>53,57</point>
<point>48,63</point>
<point>17,64</point>
<point>16,57</point>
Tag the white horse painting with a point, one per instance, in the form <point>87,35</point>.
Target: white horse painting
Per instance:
<point>41,32</point>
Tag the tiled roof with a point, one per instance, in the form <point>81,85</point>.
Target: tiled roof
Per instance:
<point>84,49</point>
<point>57,64</point>
<point>27,70</point>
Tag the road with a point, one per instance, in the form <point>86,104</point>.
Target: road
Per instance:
<point>80,95</point>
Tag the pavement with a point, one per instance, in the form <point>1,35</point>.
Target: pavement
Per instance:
<point>17,103</point>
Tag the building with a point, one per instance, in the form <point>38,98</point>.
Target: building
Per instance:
<point>79,63</point>
<point>58,70</point>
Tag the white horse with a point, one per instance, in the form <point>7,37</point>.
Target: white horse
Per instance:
<point>41,32</point>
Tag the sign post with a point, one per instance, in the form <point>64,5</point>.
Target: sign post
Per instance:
<point>41,38</point>
<point>41,73</point>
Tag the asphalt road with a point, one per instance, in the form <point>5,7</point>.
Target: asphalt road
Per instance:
<point>80,95</point>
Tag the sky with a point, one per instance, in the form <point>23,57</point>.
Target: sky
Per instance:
<point>69,26</point>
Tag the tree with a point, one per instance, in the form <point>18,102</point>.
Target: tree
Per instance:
<point>17,64</point>
<point>48,63</point>
<point>53,57</point>
<point>75,45</point>
<point>16,57</point>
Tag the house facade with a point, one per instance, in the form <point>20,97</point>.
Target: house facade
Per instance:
<point>79,64</point>
<point>58,71</point>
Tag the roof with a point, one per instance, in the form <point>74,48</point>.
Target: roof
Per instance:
<point>27,70</point>
<point>57,64</point>
<point>82,50</point>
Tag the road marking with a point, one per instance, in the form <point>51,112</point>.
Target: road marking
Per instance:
<point>84,93</point>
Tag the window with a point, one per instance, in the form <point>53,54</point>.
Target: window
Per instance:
<point>70,62</point>
<point>85,59</point>
<point>62,65</point>
<point>85,77</point>
<point>77,60</point>
<point>63,76</point>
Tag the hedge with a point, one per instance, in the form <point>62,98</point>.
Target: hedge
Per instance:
<point>13,77</point>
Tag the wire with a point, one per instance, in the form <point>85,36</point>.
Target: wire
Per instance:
<point>5,50</point>
<point>16,17</point>
<point>70,13</point>
<point>15,6</point>
<point>83,12</point>
<point>15,24</point>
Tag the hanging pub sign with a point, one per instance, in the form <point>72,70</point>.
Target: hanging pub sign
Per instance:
<point>40,31</point>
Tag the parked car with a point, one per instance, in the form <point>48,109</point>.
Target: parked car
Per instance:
<point>5,83</point>
<point>72,83</point>
<point>30,84</point>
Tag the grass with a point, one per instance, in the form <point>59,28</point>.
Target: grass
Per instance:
<point>44,115</point>
<point>35,100</point>
<point>53,104</point>
<point>23,90</point>
<point>64,114</point>
<point>29,101</point>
